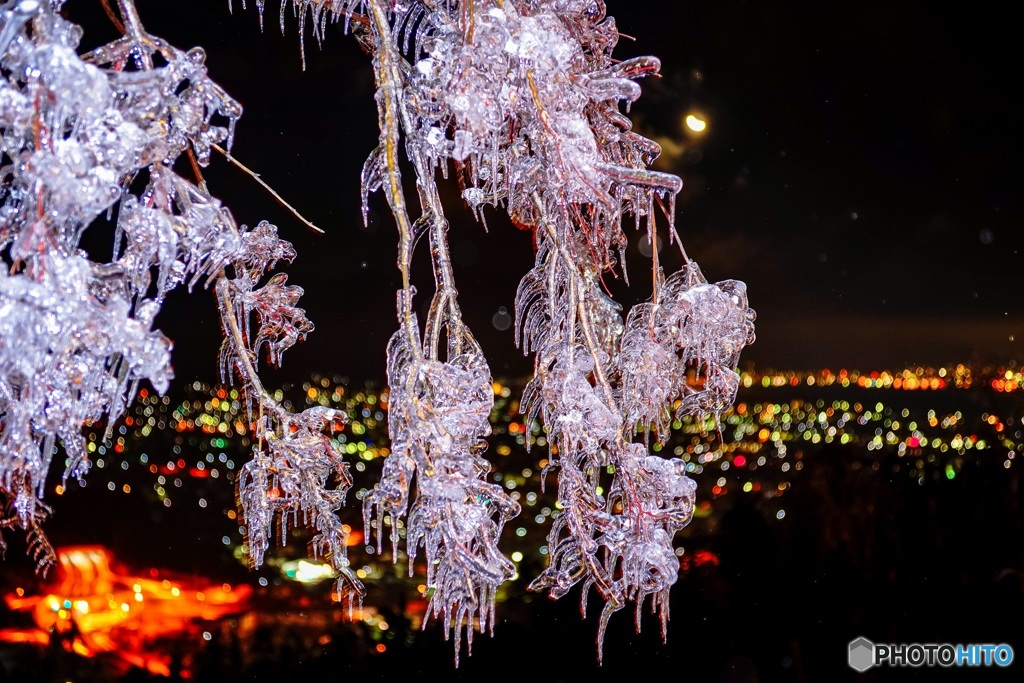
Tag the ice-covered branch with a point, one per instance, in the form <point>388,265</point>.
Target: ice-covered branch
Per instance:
<point>522,99</point>
<point>76,332</point>
<point>297,476</point>
<point>434,480</point>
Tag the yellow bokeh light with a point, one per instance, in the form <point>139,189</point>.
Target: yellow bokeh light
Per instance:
<point>696,123</point>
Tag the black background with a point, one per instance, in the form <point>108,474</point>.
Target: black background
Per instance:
<point>860,171</point>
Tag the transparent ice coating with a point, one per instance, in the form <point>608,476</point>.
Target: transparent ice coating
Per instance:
<point>693,329</point>
<point>76,329</point>
<point>524,102</point>
<point>296,477</point>
<point>438,417</point>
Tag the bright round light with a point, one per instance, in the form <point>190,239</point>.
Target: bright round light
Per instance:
<point>696,123</point>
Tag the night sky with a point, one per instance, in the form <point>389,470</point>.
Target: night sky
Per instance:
<point>860,172</point>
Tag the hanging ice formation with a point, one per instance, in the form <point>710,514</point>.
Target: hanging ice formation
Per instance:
<point>522,99</point>
<point>78,133</point>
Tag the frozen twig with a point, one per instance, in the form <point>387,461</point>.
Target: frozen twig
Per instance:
<point>262,183</point>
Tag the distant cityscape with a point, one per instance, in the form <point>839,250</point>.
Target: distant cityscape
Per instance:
<point>203,436</point>
<point>180,455</point>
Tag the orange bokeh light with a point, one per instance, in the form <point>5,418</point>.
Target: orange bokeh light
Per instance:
<point>94,606</point>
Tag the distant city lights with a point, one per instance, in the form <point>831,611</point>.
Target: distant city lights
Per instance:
<point>785,425</point>
<point>204,435</point>
<point>305,571</point>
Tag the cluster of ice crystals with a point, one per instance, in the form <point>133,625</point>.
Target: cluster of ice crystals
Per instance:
<point>83,136</point>
<point>597,382</point>
<point>524,100</point>
<point>682,349</point>
<point>297,476</point>
<point>438,416</point>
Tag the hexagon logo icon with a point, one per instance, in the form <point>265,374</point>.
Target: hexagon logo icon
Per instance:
<point>862,654</point>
